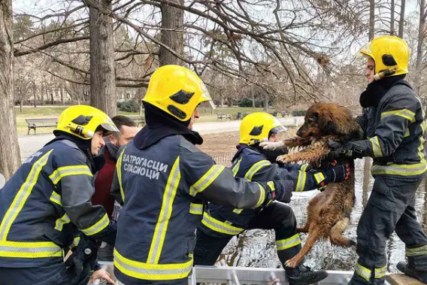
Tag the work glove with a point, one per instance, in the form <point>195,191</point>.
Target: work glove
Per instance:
<point>353,150</point>
<point>276,146</point>
<point>282,190</point>
<point>335,174</point>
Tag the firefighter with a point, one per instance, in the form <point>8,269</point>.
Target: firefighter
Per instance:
<point>221,223</point>
<point>394,123</point>
<point>164,181</point>
<point>46,203</point>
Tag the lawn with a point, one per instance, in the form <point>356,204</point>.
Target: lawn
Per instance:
<point>206,115</point>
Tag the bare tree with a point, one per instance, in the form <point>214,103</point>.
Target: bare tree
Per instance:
<point>392,32</point>
<point>402,18</point>
<point>371,19</point>
<point>172,34</point>
<point>10,158</point>
<point>421,36</point>
<point>102,73</point>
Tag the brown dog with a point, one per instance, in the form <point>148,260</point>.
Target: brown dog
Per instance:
<point>328,212</point>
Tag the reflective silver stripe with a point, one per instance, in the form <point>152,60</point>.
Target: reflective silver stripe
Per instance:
<point>363,272</point>
<point>59,223</point>
<point>376,147</point>
<point>219,226</point>
<point>235,169</point>
<point>288,243</point>
<point>404,113</point>
<point>22,196</point>
<point>255,168</point>
<point>196,209</point>
<point>206,179</point>
<point>400,169</point>
<point>69,170</point>
<point>29,249</point>
<point>302,177</point>
<point>55,198</point>
<point>380,272</point>
<point>148,271</point>
<point>261,197</point>
<point>319,177</point>
<point>416,251</point>
<point>165,214</point>
<point>99,226</point>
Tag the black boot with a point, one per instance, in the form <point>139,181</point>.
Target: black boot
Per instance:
<point>303,275</point>
<point>417,274</point>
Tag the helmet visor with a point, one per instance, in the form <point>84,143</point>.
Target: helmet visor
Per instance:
<point>279,129</point>
<point>365,51</point>
<point>109,129</point>
<point>205,96</point>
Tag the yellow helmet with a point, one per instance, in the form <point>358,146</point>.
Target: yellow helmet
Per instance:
<point>82,121</point>
<point>390,54</point>
<point>177,91</point>
<point>258,126</point>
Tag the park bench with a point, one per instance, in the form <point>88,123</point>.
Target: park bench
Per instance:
<point>33,124</point>
<point>139,120</point>
<point>284,113</point>
<point>224,116</point>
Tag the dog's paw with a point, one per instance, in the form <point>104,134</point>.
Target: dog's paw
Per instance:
<point>291,263</point>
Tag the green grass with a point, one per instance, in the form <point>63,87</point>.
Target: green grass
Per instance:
<point>206,115</point>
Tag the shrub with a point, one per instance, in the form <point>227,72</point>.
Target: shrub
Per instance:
<point>128,106</point>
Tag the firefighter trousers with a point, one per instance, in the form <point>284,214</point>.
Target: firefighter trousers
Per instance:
<point>277,216</point>
<point>391,207</point>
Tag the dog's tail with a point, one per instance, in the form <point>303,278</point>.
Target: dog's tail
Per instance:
<point>336,234</point>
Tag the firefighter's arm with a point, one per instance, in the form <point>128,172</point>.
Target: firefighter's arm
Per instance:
<point>74,182</point>
<point>116,188</point>
<point>362,120</point>
<point>217,184</point>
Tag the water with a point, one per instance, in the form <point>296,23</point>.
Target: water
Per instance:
<point>257,248</point>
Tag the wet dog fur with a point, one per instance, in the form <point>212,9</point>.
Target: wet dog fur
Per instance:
<point>329,211</point>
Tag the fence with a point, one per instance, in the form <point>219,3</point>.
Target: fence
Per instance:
<point>223,158</point>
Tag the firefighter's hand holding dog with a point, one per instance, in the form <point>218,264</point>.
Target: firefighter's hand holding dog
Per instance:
<point>356,149</point>
<point>280,145</point>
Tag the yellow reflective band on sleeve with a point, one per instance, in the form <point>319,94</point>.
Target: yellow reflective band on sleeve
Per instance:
<point>64,171</point>
<point>416,251</point>
<point>404,113</point>
<point>261,198</point>
<point>29,249</point>
<point>376,147</point>
<point>147,271</point>
<point>363,272</point>
<point>400,169</point>
<point>255,168</point>
<point>271,185</point>
<point>235,168</point>
<point>304,167</point>
<point>59,224</point>
<point>220,227</point>
<point>22,196</point>
<point>237,211</point>
<point>284,244</point>
<point>380,272</point>
<point>55,198</point>
<point>421,153</point>
<point>302,177</point>
<point>196,209</point>
<point>206,179</point>
<point>407,133</point>
<point>119,174</point>
<point>99,226</point>
<point>319,177</point>
<point>165,214</point>
<point>75,242</point>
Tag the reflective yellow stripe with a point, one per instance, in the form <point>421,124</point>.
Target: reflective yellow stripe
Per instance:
<point>196,209</point>
<point>400,169</point>
<point>235,169</point>
<point>380,272</point>
<point>376,147</point>
<point>55,198</point>
<point>237,211</point>
<point>422,140</point>
<point>319,177</point>
<point>62,172</point>
<point>363,272</point>
<point>219,226</point>
<point>407,133</point>
<point>416,251</point>
<point>404,113</point>
<point>206,179</point>
<point>288,243</point>
<point>302,177</point>
<point>75,242</point>
<point>261,197</point>
<point>22,196</point>
<point>29,249</point>
<point>304,167</point>
<point>165,214</point>
<point>59,224</point>
<point>147,271</point>
<point>255,168</point>
<point>99,226</point>
<point>119,174</point>
<point>272,185</point>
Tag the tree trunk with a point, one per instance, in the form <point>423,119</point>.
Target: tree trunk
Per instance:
<point>62,94</point>
<point>102,74</point>
<point>402,18</point>
<point>10,158</point>
<point>35,94</point>
<point>172,33</point>
<point>392,18</point>
<point>265,104</point>
<point>253,97</point>
<point>371,19</point>
<point>419,62</point>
